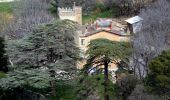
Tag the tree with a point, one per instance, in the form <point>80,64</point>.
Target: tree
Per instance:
<point>151,40</point>
<point>125,86</point>
<point>158,80</point>
<point>104,51</point>
<point>50,47</point>
<point>3,57</point>
<point>27,14</point>
<point>130,7</point>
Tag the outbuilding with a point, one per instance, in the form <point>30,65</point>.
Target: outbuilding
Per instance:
<point>134,24</point>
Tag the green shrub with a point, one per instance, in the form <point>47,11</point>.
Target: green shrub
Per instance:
<point>2,74</point>
<point>100,6</point>
<point>158,80</point>
<point>65,90</point>
<point>91,87</point>
<point>125,86</point>
<point>5,7</point>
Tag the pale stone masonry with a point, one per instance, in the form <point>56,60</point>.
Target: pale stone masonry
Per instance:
<point>74,14</point>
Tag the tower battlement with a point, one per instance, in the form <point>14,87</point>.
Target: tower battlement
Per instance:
<point>74,14</point>
<point>65,9</point>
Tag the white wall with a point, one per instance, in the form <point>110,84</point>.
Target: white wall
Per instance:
<point>137,26</point>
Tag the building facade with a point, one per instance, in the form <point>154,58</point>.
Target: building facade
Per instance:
<point>101,28</point>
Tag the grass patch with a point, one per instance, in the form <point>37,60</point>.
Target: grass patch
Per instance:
<point>102,14</point>
<point>5,7</point>
<point>2,74</point>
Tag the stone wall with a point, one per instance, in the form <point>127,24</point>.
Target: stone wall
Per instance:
<point>74,14</point>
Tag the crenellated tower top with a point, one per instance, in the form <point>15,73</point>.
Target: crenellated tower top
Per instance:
<point>74,13</point>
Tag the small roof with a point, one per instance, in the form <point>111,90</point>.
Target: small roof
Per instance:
<point>104,23</point>
<point>134,19</point>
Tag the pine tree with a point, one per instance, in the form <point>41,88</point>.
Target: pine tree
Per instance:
<point>50,46</point>
<point>102,52</point>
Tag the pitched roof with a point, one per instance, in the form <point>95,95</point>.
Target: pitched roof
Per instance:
<point>134,19</point>
<point>103,24</point>
<point>114,32</point>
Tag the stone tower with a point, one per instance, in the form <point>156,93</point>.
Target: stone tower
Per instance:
<point>78,14</point>
<point>74,14</point>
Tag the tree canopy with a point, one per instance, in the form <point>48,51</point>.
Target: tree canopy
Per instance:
<point>101,52</point>
<point>48,45</point>
<point>104,48</point>
<point>159,77</point>
<point>49,48</point>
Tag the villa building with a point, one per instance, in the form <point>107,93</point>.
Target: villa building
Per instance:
<point>102,28</point>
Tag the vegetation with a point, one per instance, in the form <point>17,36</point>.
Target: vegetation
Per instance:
<point>2,75</point>
<point>95,15</point>
<point>5,8</point>
<point>101,52</point>
<point>125,86</point>
<point>158,80</point>
<point>45,46</point>
<point>26,15</point>
<point>50,46</point>
<point>39,55</point>
<point>100,11</point>
<point>92,87</point>
<point>153,38</point>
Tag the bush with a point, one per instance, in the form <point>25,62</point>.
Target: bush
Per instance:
<point>100,6</point>
<point>2,75</point>
<point>158,80</point>
<point>140,93</point>
<point>125,86</point>
<point>5,7</point>
<point>65,90</point>
<point>92,88</point>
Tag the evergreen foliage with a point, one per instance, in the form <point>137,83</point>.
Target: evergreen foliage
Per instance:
<point>46,55</point>
<point>50,45</point>
<point>26,78</point>
<point>125,86</point>
<point>2,75</point>
<point>158,79</point>
<point>104,48</point>
<point>92,88</point>
<point>102,52</point>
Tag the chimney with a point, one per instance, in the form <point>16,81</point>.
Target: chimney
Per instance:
<point>110,26</point>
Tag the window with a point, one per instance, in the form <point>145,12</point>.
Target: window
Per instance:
<point>82,41</point>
